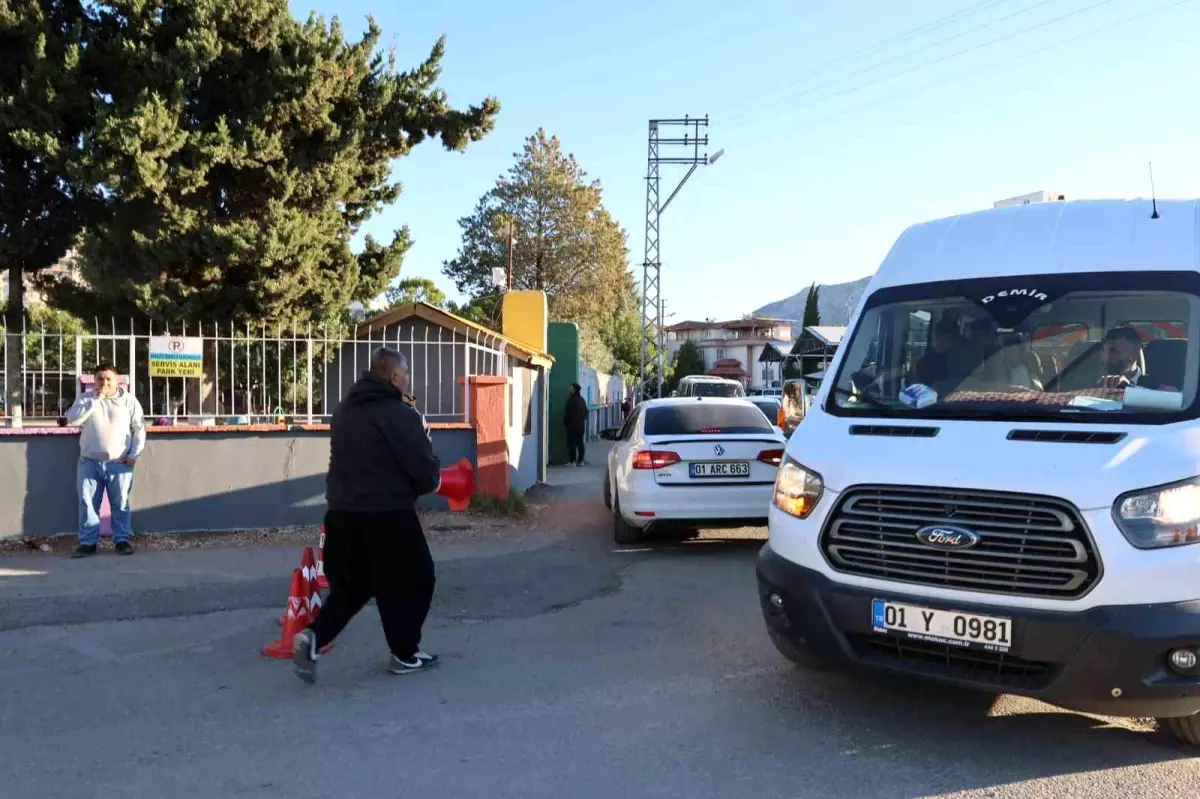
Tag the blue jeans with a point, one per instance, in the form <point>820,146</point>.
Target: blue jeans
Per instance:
<point>93,479</point>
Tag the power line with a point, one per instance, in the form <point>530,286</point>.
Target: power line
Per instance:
<point>993,65</point>
<point>883,44</point>
<point>957,53</point>
<point>926,48</point>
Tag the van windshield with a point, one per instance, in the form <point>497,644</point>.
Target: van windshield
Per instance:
<point>1071,347</point>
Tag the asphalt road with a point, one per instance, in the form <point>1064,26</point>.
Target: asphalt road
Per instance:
<point>571,671</point>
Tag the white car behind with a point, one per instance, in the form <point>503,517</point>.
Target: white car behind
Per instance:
<point>691,462</point>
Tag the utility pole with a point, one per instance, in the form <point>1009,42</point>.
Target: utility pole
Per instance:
<point>683,150</point>
<point>511,240</point>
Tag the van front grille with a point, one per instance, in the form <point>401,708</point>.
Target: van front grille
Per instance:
<point>1027,545</point>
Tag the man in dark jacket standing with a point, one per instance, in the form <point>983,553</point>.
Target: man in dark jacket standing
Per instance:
<point>575,420</point>
<point>380,461</point>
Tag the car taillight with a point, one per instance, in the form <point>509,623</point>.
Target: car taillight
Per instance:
<point>771,456</point>
<point>654,459</point>
<point>780,417</point>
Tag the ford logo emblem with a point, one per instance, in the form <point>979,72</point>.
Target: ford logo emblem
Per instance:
<point>944,536</point>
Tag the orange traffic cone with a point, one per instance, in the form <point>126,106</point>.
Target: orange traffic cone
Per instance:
<point>296,618</point>
<point>308,567</point>
<point>322,583</point>
<point>458,484</point>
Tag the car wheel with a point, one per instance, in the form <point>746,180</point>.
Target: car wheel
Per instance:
<point>623,531</point>
<point>797,653</point>
<point>1184,729</point>
<point>607,490</point>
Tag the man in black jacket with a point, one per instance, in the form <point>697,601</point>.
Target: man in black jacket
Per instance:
<point>380,461</point>
<point>575,419</point>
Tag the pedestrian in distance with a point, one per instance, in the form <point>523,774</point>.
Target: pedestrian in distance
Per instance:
<point>380,461</point>
<point>575,420</point>
<point>112,435</point>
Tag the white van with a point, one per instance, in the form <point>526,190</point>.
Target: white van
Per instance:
<point>998,486</point>
<point>709,386</point>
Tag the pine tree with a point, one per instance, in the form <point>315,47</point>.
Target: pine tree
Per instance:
<point>241,151</point>
<point>46,108</point>
<point>812,310</point>
<point>566,243</point>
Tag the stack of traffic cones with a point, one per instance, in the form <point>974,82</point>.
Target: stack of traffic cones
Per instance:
<point>295,618</point>
<point>303,605</point>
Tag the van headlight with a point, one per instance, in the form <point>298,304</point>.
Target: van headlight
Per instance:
<point>797,489</point>
<point>1167,516</point>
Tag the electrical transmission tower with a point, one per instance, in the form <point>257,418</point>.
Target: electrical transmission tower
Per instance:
<point>689,149</point>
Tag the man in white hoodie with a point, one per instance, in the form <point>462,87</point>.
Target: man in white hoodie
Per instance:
<point>112,436</point>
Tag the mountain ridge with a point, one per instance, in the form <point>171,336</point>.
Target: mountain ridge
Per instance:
<point>835,301</point>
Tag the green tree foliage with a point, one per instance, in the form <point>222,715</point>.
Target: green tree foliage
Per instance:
<point>687,362</point>
<point>565,244</point>
<point>46,108</point>
<point>416,289</point>
<point>812,312</point>
<point>241,150</point>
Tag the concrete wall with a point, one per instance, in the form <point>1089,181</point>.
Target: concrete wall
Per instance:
<point>186,481</point>
<point>523,412</point>
<point>564,348</point>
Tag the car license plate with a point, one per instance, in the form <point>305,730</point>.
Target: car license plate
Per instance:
<point>966,630</point>
<point>719,469</point>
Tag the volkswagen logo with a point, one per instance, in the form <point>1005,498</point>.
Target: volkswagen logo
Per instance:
<point>944,536</point>
<point>718,450</point>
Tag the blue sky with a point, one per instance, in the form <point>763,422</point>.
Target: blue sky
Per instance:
<point>835,139</point>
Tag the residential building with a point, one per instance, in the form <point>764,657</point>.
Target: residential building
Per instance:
<point>814,349</point>
<point>750,349</point>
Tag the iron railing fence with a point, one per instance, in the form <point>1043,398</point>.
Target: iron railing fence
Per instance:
<point>250,375</point>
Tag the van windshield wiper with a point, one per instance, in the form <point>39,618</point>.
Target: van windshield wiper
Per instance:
<point>864,398</point>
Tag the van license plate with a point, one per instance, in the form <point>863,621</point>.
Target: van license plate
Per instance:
<point>965,630</point>
<point>719,469</point>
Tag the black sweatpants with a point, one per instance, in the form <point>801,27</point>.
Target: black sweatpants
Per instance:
<point>575,445</point>
<point>380,555</point>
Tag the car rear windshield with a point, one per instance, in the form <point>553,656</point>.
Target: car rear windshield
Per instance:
<point>705,419</point>
<point>770,408</point>
<point>715,389</point>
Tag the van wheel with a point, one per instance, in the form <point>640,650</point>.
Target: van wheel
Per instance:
<point>607,490</point>
<point>623,531</point>
<point>797,653</point>
<point>1185,729</point>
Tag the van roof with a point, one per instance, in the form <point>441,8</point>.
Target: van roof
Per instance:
<point>1039,238</point>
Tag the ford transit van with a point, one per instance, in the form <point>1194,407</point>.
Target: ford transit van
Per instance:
<point>998,484</point>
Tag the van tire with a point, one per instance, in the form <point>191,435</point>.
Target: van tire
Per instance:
<point>799,654</point>
<point>623,531</point>
<point>607,490</point>
<point>1184,729</point>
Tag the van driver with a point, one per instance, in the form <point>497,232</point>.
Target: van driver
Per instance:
<point>1121,354</point>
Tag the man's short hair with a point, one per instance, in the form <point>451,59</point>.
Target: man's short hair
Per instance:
<point>576,387</point>
<point>1124,332</point>
<point>385,361</point>
<point>105,366</point>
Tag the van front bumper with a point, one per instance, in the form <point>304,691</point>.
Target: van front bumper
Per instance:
<point>1106,660</point>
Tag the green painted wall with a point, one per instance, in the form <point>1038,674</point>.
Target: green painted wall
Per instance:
<point>563,345</point>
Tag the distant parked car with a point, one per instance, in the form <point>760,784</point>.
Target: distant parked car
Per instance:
<point>708,386</point>
<point>690,462</point>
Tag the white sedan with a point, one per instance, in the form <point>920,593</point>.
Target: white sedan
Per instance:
<point>691,462</point>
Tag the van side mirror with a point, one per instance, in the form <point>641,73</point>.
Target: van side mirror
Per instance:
<point>611,434</point>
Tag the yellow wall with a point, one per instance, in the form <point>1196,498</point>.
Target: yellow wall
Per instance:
<point>524,316</point>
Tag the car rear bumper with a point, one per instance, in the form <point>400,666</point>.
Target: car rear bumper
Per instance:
<point>1107,660</point>
<point>702,505</point>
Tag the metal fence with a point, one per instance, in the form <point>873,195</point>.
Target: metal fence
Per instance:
<point>604,417</point>
<point>250,375</point>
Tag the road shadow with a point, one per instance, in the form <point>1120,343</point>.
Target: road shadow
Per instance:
<point>950,739</point>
